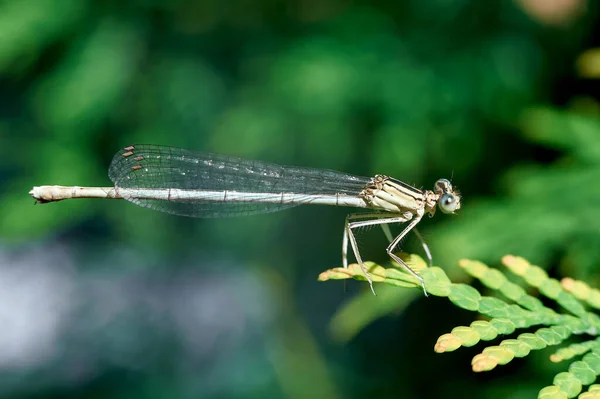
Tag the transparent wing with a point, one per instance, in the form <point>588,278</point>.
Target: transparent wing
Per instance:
<point>153,166</point>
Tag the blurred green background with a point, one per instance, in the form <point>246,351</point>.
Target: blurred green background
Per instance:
<point>104,299</point>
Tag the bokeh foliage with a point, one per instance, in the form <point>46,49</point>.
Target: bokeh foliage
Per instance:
<point>498,94</point>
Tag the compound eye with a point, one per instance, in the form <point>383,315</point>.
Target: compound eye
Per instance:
<point>448,203</point>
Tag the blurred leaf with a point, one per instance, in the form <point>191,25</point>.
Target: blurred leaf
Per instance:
<point>567,131</point>
<point>28,26</point>
<point>319,76</point>
<point>91,82</point>
<point>588,63</point>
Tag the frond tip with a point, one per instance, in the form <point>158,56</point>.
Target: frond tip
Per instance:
<point>436,281</point>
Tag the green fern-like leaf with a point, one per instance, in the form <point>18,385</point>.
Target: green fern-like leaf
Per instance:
<point>513,309</point>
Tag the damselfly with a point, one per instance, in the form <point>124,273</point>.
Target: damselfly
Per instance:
<point>198,184</point>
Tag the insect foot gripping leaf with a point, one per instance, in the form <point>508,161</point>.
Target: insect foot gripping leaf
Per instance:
<point>517,310</point>
<point>436,281</point>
